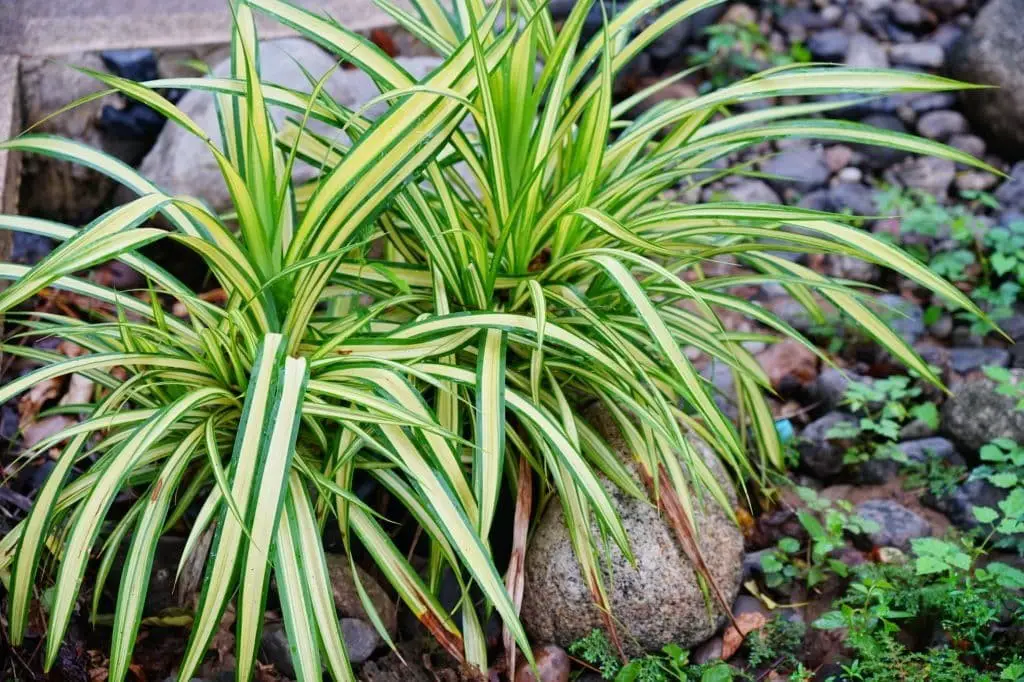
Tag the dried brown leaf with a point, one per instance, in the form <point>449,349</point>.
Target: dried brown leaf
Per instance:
<point>44,428</point>
<point>735,634</point>
<point>33,401</point>
<point>515,578</point>
<point>79,391</point>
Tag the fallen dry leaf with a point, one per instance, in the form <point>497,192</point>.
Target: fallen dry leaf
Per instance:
<point>789,360</point>
<point>44,428</point>
<point>79,391</point>
<point>33,401</point>
<point>747,623</point>
<point>138,671</point>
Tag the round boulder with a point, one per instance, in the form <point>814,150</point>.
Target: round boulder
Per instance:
<point>656,602</point>
<point>978,413</point>
<point>990,54</point>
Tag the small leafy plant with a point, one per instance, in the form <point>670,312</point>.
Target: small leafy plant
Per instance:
<point>1006,384</point>
<point>883,407</point>
<point>827,525</point>
<point>778,643</point>
<point>990,261</point>
<point>1004,464</point>
<point>935,475</point>
<point>736,50</point>
<point>944,585</point>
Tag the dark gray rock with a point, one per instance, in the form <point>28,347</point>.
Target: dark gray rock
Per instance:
<point>964,360</point>
<point>876,157</point>
<point>361,640</point>
<point>655,601</point>
<point>970,143</point>
<point>921,449</point>
<point>346,595</point>
<point>752,566</point>
<point>905,317</point>
<point>801,20</point>
<point>910,14</point>
<point>858,198</point>
<point>277,651</point>
<point>819,455</point>
<point>852,268</point>
<point>1011,193</point>
<point>923,102</point>
<point>941,328</point>
<point>747,604</point>
<point>724,393</point>
<point>668,45</point>
<point>1014,325</point>
<point>946,8</point>
<point>941,124</point>
<point>958,507</point>
<point>915,429</point>
<point>853,196</point>
<point>928,174</point>
<point>752,191</point>
<point>828,389</point>
<point>829,45</point>
<point>897,524</point>
<point>802,168</point>
<point>947,35</point>
<point>977,414</point>
<point>926,55</point>
<point>710,650</point>
<point>990,54</point>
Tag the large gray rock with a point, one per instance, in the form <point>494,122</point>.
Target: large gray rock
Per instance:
<point>802,168</point>
<point>920,449</point>
<point>820,455</point>
<point>990,54</point>
<point>346,595</point>
<point>361,640</point>
<point>977,413</point>
<point>897,525</point>
<point>655,602</point>
<point>181,163</point>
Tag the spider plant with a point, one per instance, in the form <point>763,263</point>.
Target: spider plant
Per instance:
<point>519,268</point>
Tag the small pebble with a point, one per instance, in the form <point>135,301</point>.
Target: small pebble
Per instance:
<point>832,14</point>
<point>972,144</point>
<point>942,125</point>
<point>552,665</point>
<point>975,181</point>
<point>850,174</point>
<point>928,55</point>
<point>838,157</point>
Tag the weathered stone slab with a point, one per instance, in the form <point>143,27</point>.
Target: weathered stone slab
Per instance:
<point>10,120</point>
<point>57,27</point>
